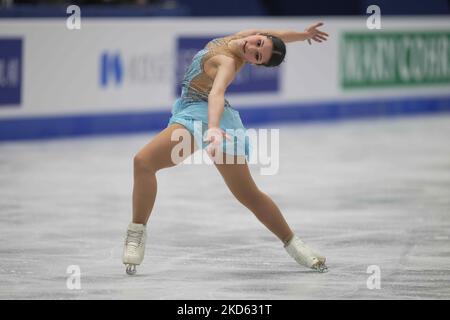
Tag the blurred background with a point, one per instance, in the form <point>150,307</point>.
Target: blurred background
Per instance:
<point>121,71</point>
<point>234,7</point>
<point>364,158</point>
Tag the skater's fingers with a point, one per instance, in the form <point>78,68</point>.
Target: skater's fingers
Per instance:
<point>211,149</point>
<point>319,24</point>
<point>227,136</point>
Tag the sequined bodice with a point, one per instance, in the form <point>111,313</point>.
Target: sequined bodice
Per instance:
<point>196,84</point>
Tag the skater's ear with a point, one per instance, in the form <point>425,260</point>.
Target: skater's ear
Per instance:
<point>278,52</point>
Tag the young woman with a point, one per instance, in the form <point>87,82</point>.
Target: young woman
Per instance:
<point>203,99</point>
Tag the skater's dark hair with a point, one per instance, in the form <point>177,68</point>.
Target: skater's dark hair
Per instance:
<point>278,51</point>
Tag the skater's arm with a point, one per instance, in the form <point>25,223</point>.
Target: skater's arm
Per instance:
<point>310,33</point>
<point>216,98</point>
<point>216,101</point>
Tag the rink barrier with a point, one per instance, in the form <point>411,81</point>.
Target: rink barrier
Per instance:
<point>49,127</point>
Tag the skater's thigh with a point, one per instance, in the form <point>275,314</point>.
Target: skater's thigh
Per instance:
<point>239,180</point>
<point>157,154</point>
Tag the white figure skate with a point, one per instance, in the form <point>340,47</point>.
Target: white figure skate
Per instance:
<point>134,248</point>
<point>305,256</point>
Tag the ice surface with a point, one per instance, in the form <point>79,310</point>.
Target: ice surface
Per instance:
<point>367,192</point>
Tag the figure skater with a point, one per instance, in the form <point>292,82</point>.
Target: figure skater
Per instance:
<point>203,99</point>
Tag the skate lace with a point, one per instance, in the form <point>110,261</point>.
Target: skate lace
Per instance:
<point>134,238</point>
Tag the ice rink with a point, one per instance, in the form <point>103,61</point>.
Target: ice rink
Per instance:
<point>364,193</point>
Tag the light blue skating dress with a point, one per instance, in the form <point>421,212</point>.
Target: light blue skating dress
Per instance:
<point>191,109</point>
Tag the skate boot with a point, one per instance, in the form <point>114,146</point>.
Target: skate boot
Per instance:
<point>134,248</point>
<point>305,256</point>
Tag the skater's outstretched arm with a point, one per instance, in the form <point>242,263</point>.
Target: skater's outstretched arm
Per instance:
<point>310,33</point>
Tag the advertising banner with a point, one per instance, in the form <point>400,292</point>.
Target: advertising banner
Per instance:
<point>10,71</point>
<point>132,69</point>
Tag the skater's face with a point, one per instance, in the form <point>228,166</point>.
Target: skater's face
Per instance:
<point>256,49</point>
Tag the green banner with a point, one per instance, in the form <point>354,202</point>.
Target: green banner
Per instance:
<point>374,59</point>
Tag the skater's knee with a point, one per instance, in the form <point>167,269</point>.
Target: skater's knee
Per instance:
<point>144,163</point>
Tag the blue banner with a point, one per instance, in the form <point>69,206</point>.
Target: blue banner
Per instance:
<point>10,71</point>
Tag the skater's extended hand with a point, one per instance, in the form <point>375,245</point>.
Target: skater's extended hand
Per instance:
<point>312,33</point>
<point>215,136</point>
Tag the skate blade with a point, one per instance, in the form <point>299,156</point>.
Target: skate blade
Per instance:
<point>320,267</point>
<point>131,269</point>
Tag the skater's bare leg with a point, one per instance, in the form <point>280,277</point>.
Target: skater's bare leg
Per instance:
<point>154,156</point>
<point>240,182</point>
